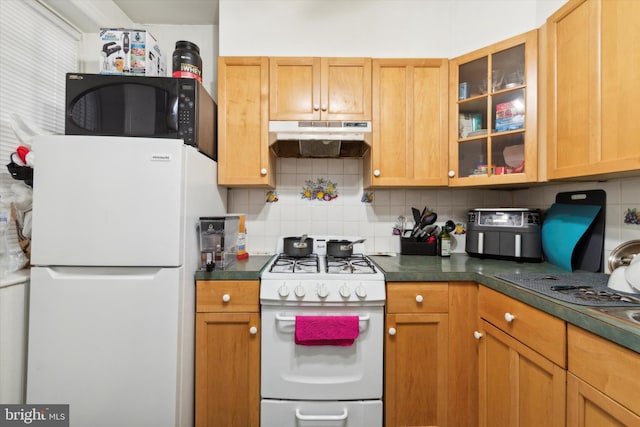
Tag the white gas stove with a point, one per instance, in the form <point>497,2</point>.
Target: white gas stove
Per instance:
<point>326,382</point>
<point>318,278</point>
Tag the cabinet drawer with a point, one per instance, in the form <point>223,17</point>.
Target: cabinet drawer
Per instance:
<point>609,367</point>
<point>540,331</point>
<point>418,297</point>
<point>227,296</point>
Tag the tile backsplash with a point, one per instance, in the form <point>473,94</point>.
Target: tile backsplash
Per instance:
<point>295,213</point>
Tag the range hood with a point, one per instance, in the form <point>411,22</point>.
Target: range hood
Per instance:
<point>319,139</point>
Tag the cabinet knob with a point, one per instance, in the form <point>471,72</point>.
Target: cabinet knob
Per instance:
<point>419,298</point>
<point>324,107</point>
<point>316,107</point>
<point>451,174</point>
<point>253,330</point>
<point>376,172</point>
<point>477,335</point>
<point>509,317</point>
<point>263,171</point>
<point>392,331</point>
<point>226,298</point>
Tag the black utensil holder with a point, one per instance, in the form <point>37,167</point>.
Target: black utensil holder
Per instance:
<point>409,246</point>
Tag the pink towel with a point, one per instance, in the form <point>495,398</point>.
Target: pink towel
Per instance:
<point>327,330</point>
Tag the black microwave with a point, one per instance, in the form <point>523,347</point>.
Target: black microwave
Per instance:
<point>152,107</point>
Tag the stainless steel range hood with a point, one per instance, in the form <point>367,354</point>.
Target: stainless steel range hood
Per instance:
<point>319,139</point>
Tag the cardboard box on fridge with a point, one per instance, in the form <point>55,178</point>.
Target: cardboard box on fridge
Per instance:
<point>130,52</point>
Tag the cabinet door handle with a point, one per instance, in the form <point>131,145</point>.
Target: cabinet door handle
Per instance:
<point>392,331</point>
<point>263,171</point>
<point>509,317</point>
<point>376,172</point>
<point>324,107</point>
<point>226,298</point>
<point>316,107</point>
<point>451,174</point>
<point>419,299</point>
<point>477,335</point>
<point>253,330</point>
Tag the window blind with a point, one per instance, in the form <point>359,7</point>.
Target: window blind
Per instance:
<point>37,49</point>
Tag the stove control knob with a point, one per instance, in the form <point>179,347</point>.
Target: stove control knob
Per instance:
<point>322,290</point>
<point>283,291</point>
<point>299,291</point>
<point>345,291</point>
<point>361,292</point>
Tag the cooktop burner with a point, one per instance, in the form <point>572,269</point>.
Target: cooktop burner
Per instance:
<point>355,264</point>
<point>289,264</point>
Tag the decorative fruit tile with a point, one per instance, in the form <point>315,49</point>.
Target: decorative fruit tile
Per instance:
<point>271,196</point>
<point>320,189</point>
<point>631,216</point>
<point>367,197</point>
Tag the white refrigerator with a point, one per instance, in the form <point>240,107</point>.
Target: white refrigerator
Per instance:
<point>112,297</point>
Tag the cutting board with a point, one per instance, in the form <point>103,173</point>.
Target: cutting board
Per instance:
<point>573,230</point>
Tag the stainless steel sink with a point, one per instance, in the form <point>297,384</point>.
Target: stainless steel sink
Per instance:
<point>629,315</point>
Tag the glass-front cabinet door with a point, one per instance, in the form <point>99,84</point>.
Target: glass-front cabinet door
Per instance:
<point>493,116</point>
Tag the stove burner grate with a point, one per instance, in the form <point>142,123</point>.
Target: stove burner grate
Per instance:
<point>289,264</point>
<point>355,264</point>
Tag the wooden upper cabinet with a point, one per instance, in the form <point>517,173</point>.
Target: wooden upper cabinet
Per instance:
<point>306,88</point>
<point>493,121</point>
<point>409,141</point>
<point>244,158</point>
<point>592,52</point>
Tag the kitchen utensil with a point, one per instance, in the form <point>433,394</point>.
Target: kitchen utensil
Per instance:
<point>430,218</point>
<point>623,254</point>
<point>449,226</point>
<point>629,298</point>
<point>632,273</point>
<point>618,282</point>
<point>341,248</point>
<point>568,287</point>
<point>416,214</point>
<point>298,246</point>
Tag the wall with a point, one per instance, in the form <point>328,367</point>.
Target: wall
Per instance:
<point>377,28</point>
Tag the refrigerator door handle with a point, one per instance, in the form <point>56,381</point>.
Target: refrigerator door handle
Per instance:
<point>106,273</point>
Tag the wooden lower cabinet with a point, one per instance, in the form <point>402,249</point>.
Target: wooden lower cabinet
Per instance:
<point>586,407</point>
<point>430,369</point>
<point>519,386</point>
<point>227,354</point>
<point>602,384</point>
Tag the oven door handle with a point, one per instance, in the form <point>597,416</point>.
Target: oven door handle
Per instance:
<point>285,318</point>
<point>340,417</point>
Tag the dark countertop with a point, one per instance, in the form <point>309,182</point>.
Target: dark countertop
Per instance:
<point>245,269</point>
<point>460,267</point>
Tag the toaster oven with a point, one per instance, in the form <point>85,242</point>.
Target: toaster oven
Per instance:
<point>505,233</point>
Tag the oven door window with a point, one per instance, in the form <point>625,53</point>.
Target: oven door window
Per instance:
<point>321,372</point>
<point>125,109</point>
